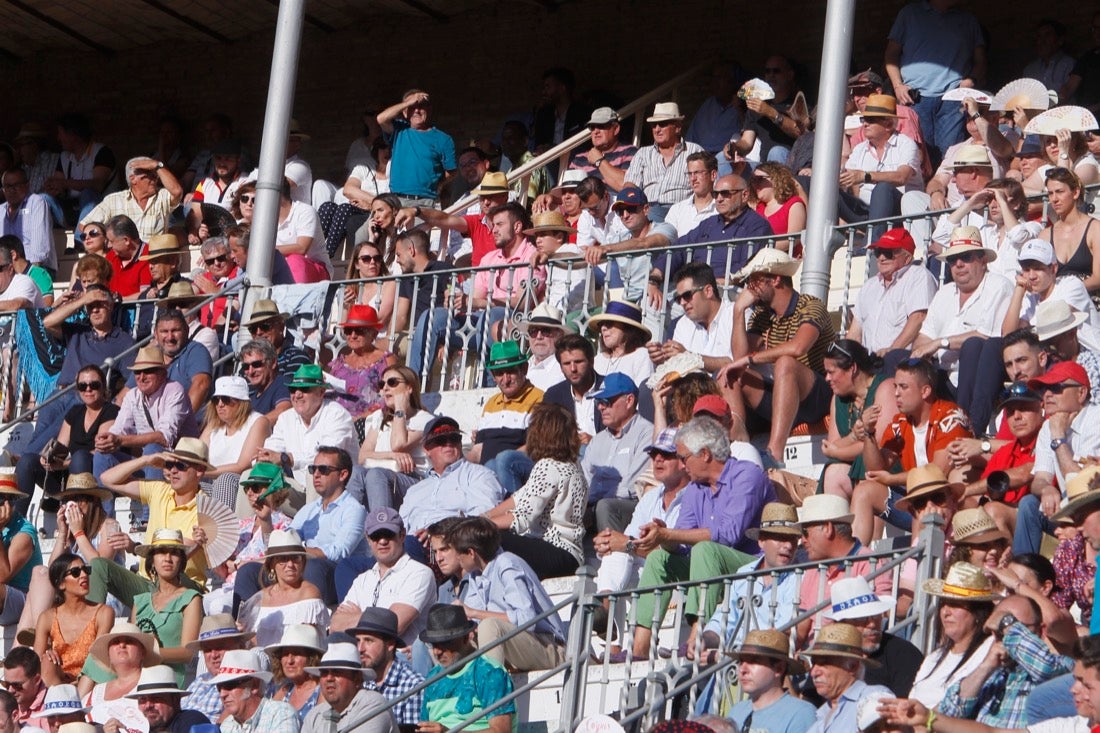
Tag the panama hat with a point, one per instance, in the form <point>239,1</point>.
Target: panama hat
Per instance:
<point>620,311</point>
<point>665,111</point>
<point>544,315</point>
<point>164,538</point>
<point>283,542</point>
<point>569,181</point>
<point>148,358</point>
<point>972,156</point>
<point>340,655</point>
<point>216,627</point>
<point>193,451</point>
<point>964,582</point>
<point>179,293</point>
<point>363,316</point>
<point>239,664</point>
<point>549,221</point>
<point>776,518</point>
<point>8,483</point>
<point>1055,316</point>
<point>966,239</point>
<point>263,310</point>
<point>1082,491</point>
<point>159,679</point>
<point>769,261</point>
<point>492,183</point>
<point>505,354</point>
<point>839,640</point>
<point>821,508</point>
<point>299,636</point>
<point>975,527</point>
<point>769,643</point>
<point>60,700</point>
<point>161,245</point>
<point>123,629</point>
<point>921,481</point>
<point>854,598</point>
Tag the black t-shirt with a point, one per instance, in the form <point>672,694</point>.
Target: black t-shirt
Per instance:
<point>81,439</point>
<point>185,719</point>
<point>899,661</point>
<point>1088,68</point>
<point>425,283</point>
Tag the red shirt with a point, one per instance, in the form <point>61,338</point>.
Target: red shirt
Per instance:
<point>1008,456</point>
<point>131,278</point>
<point>481,236</point>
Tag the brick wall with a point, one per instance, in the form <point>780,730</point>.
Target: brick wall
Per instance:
<point>479,67</point>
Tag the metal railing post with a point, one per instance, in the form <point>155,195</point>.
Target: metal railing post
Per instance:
<point>580,622</point>
<point>932,540</point>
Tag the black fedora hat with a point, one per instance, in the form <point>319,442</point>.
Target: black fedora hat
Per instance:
<point>446,623</point>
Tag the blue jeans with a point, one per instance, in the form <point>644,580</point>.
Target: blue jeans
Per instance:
<point>778,154</point>
<point>1031,523</point>
<point>512,468</point>
<point>1051,699</point>
<point>942,125</point>
<point>382,482</point>
<point>428,337</point>
<point>981,376</point>
<point>895,516</point>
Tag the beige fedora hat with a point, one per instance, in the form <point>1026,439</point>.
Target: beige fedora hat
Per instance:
<point>665,111</point>
<point>821,508</point>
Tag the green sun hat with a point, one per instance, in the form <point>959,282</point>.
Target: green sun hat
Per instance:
<point>307,376</point>
<point>505,354</point>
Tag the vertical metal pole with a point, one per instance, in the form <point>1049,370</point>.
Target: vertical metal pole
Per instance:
<point>932,539</point>
<point>574,689</point>
<point>821,217</point>
<point>280,100</point>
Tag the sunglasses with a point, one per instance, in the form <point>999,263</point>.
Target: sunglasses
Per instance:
<point>836,348</point>
<point>294,390</point>
<point>13,686</point>
<point>89,386</point>
<point>247,199</point>
<point>321,469</point>
<point>966,257</point>
<point>254,488</point>
<point>686,295</point>
<point>354,331</point>
<point>220,259</point>
<point>232,684</point>
<point>92,233</point>
<point>605,126</point>
<point>886,254</point>
<point>266,326</point>
<point>538,331</point>
<point>78,571</point>
<point>384,534</point>
<point>223,400</point>
<point>663,123</point>
<point>252,364</point>
<point>1057,389</point>
<point>722,193</point>
<point>607,401</point>
<point>370,258</point>
<point>1014,391</point>
<point>176,465</point>
<point>920,502</point>
<point>391,382</point>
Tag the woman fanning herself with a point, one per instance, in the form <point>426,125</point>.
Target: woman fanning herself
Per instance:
<point>64,634</point>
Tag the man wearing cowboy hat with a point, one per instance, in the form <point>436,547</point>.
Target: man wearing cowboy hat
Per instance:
<point>26,215</point>
<point>853,601</point>
<point>660,169</point>
<point>346,707</point>
<point>963,325</point>
<point>608,158</point>
<point>218,634</point>
<point>779,348</point>
<point>160,700</point>
<point>450,635</point>
<point>837,669</point>
<point>163,255</point>
<point>763,664</point>
<point>778,536</point>
<point>423,156</point>
<point>266,321</point>
<point>171,505</point>
<point>1064,335</point>
<point>152,193</point>
<point>881,168</point>
<point>543,328</point>
<point>243,687</point>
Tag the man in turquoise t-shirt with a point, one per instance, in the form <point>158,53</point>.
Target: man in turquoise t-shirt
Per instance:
<point>463,693</point>
<point>423,156</point>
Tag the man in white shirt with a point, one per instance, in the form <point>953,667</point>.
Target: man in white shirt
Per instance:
<point>598,224</point>
<point>963,325</point>
<point>543,329</point>
<point>881,168</point>
<point>890,307</point>
<point>27,216</point>
<point>1070,434</point>
<point>706,328</point>
<point>16,289</point>
<point>702,171</point>
<point>1038,283</point>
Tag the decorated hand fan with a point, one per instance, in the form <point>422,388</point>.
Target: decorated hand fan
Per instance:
<point>221,527</point>
<point>1026,93</point>
<point>674,368</point>
<point>958,94</point>
<point>756,89</point>
<point>1074,119</point>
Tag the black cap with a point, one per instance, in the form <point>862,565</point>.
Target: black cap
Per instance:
<point>441,429</point>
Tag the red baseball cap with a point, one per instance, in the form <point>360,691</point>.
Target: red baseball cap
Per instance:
<point>896,239</point>
<point>1059,373</point>
<point>713,404</point>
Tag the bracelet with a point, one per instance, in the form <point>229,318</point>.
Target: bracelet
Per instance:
<point>931,719</point>
<point>79,533</point>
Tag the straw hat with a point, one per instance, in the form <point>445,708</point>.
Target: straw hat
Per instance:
<point>880,105</point>
<point>239,664</point>
<point>544,315</point>
<point>569,181</point>
<point>768,643</point>
<point>8,483</point>
<point>964,582</point>
<point>620,311</point>
<point>157,680</point>
<point>216,627</point>
<point>975,527</point>
<point>193,451</point>
<point>824,508</point>
<point>123,629</point>
<point>854,598</point>
<point>263,310</point>
<point>839,640</point>
<point>148,357</point>
<point>1082,491</point>
<point>164,538</point>
<point>179,293</point>
<point>972,156</point>
<point>665,111</point>
<point>549,221</point>
<point>493,183</point>
<point>1055,316</point>
<point>769,261</point>
<point>299,636</point>
<point>776,518</point>
<point>161,245</point>
<point>966,239</point>
<point>922,481</point>
<point>283,542</point>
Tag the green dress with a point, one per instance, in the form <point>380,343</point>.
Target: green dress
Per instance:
<point>166,624</point>
<point>846,415</point>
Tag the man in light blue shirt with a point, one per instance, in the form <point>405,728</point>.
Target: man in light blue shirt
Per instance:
<point>331,527</point>
<point>763,662</point>
<point>837,661</point>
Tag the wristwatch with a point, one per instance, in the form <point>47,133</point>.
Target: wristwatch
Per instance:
<point>597,163</point>
<point>159,165</point>
<point>987,447</point>
<point>1007,620</point>
<point>945,343</point>
<point>631,548</point>
<point>975,116</point>
<point>399,413</point>
<point>1057,443</point>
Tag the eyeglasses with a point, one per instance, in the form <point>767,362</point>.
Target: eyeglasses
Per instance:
<point>607,401</point>
<point>78,571</point>
<point>391,382</point>
<point>966,257</point>
<point>721,193</point>
<point>252,364</point>
<point>89,386</point>
<point>686,295</point>
<point>247,199</point>
<point>370,258</point>
<point>176,465</point>
<point>1057,389</point>
<point>222,400</point>
<point>835,347</point>
<point>219,259</point>
<point>920,502</point>
<point>886,254</point>
<point>322,469</point>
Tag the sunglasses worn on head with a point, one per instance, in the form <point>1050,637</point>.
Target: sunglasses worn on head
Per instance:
<point>836,348</point>
<point>89,386</point>
<point>78,571</point>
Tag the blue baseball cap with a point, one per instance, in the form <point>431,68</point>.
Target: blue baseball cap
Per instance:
<point>1032,146</point>
<point>631,196</point>
<point>615,384</point>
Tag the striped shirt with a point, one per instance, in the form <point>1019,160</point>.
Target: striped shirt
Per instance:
<point>779,329</point>
<point>663,183</point>
<point>619,157</point>
<point>503,424</point>
<point>151,220</point>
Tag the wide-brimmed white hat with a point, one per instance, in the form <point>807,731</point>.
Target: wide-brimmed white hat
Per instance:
<point>125,629</point>
<point>663,111</point>
<point>284,542</point>
<point>61,700</point>
<point>854,598</point>
<point>299,636</point>
<point>238,664</point>
<point>1055,316</point>
<point>340,655</point>
<point>966,239</point>
<point>157,680</point>
<point>234,387</point>
<point>824,508</point>
<point>544,315</point>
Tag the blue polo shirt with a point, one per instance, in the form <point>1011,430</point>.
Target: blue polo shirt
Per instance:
<point>193,360</point>
<point>84,346</point>
<point>420,158</point>
<point>266,401</point>
<point>716,229</point>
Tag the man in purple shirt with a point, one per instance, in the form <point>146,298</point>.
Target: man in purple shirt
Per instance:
<point>725,498</point>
